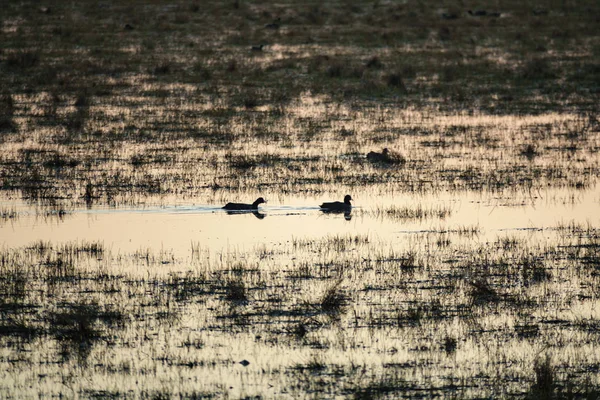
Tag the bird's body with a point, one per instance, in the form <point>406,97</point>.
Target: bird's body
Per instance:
<point>386,157</point>
<point>244,206</point>
<point>374,156</point>
<point>338,205</point>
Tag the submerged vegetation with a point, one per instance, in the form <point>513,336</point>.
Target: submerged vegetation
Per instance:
<point>415,314</point>
<point>105,104</point>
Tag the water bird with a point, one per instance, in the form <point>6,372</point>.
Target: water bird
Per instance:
<point>244,206</point>
<point>374,156</point>
<point>338,205</point>
<point>258,47</point>
<point>386,157</point>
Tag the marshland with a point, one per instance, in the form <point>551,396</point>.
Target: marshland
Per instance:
<point>468,267</point>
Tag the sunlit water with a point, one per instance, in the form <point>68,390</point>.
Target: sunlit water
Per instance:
<point>176,228</point>
<point>210,336</point>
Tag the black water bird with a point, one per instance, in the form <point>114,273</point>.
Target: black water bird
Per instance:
<point>386,157</point>
<point>244,206</point>
<point>337,206</point>
<point>374,156</point>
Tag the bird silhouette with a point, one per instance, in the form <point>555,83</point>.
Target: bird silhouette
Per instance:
<point>244,206</point>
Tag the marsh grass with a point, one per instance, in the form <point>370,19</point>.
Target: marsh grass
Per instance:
<point>297,91</point>
<point>75,327</point>
<point>8,213</point>
<point>333,301</point>
<point>545,379</point>
<point>7,109</point>
<point>235,291</point>
<point>378,389</point>
<point>246,292</point>
<point>171,103</point>
<point>418,212</point>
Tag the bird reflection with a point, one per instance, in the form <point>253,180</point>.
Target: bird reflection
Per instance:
<point>347,213</point>
<point>256,213</point>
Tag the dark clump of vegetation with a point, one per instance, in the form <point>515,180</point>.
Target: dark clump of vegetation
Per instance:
<point>449,344</point>
<point>545,379</point>
<point>7,124</point>
<point>530,151</point>
<point>60,161</point>
<point>7,109</point>
<point>249,161</point>
<point>333,300</point>
<point>482,292</point>
<point>395,80</point>
<point>81,316</point>
<point>76,327</point>
<point>22,60</point>
<point>382,388</point>
<point>235,290</point>
<point>162,69</point>
<point>374,63</point>
<point>538,69</point>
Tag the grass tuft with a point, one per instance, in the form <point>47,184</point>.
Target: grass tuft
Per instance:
<point>235,291</point>
<point>545,379</point>
<point>333,300</point>
<point>449,344</point>
<point>394,80</point>
<point>482,292</point>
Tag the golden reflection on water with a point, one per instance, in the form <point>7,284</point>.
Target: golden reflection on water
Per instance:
<point>176,227</point>
<point>407,258</point>
<point>213,336</point>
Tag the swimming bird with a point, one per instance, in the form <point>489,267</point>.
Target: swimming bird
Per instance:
<point>374,156</point>
<point>244,206</point>
<point>337,205</point>
<point>386,157</point>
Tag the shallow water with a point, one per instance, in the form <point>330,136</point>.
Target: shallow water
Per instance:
<point>174,228</point>
<point>407,285</point>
